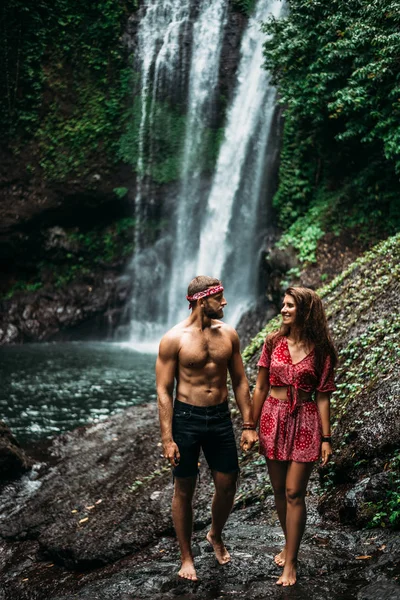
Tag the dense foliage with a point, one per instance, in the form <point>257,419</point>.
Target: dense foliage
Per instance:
<point>338,71</point>
<point>65,81</point>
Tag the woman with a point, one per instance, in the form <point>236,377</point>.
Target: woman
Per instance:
<point>292,393</point>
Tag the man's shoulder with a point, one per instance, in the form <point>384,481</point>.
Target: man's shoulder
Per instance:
<point>226,329</point>
<point>173,334</point>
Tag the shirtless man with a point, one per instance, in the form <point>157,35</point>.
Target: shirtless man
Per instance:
<point>198,353</point>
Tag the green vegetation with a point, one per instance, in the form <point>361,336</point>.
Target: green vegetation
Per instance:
<point>336,65</point>
<point>97,247</point>
<point>386,512</point>
<point>89,250</point>
<point>367,283</point>
<point>23,286</point>
<point>66,95</point>
<point>66,82</point>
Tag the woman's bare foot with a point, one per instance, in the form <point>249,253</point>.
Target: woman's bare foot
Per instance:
<point>221,553</point>
<point>281,558</point>
<point>187,570</point>
<point>289,575</point>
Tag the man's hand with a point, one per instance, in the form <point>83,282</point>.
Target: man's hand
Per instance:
<point>171,451</point>
<point>248,439</point>
<point>326,453</point>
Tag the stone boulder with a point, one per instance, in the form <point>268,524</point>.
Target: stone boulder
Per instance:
<point>13,460</point>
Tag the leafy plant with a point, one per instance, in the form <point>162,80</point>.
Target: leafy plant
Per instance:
<point>336,66</point>
<point>387,511</point>
<point>66,82</point>
<point>120,192</point>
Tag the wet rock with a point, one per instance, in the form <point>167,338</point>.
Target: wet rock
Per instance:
<point>56,238</point>
<point>351,501</point>
<point>9,334</point>
<point>382,589</point>
<point>94,523</point>
<point>13,460</point>
<point>51,314</point>
<point>85,513</point>
<point>254,320</point>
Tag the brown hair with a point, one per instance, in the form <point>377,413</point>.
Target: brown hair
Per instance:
<point>201,283</point>
<point>312,323</point>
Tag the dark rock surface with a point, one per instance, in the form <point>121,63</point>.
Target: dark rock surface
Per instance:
<point>13,460</point>
<point>93,522</point>
<point>91,308</point>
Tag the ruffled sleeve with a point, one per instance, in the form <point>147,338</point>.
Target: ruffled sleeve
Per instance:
<point>327,379</point>
<point>265,358</point>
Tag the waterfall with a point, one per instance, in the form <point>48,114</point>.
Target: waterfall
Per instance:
<point>161,54</point>
<point>159,41</point>
<point>204,68</point>
<point>229,235</point>
<point>215,228</point>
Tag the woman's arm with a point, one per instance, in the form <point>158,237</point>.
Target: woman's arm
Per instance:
<point>323,403</point>
<point>260,393</point>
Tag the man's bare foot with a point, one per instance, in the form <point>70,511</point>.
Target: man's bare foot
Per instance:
<point>221,553</point>
<point>281,558</point>
<point>187,570</point>
<point>289,575</point>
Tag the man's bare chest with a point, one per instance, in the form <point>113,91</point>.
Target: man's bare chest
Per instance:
<point>196,353</point>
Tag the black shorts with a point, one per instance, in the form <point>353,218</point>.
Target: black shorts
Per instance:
<point>206,427</point>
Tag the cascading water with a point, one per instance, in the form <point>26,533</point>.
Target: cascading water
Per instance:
<point>229,237</point>
<point>159,38</point>
<point>206,50</point>
<point>216,226</point>
<point>161,56</point>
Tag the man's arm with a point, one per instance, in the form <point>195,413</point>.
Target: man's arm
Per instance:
<point>165,375</point>
<point>241,390</point>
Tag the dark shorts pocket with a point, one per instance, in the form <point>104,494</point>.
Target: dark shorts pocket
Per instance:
<point>182,415</point>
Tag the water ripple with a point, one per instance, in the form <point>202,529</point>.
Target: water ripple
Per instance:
<point>48,389</point>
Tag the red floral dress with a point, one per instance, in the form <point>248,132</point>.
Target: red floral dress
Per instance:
<point>291,430</point>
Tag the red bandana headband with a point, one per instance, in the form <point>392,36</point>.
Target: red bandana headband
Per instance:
<point>205,293</point>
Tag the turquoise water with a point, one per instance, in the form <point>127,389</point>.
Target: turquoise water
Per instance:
<point>47,389</point>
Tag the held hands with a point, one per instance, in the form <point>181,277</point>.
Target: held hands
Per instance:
<point>326,452</point>
<point>171,452</point>
<point>248,439</point>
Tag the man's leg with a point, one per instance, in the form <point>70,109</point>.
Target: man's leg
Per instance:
<point>297,478</point>
<point>182,515</point>
<point>277,470</point>
<point>225,489</point>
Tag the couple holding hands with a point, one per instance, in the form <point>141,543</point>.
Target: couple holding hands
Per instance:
<point>290,402</point>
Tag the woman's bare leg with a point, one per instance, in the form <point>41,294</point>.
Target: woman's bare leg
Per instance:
<point>277,470</point>
<point>297,478</point>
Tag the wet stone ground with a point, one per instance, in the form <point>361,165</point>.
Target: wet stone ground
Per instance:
<point>89,523</point>
<point>335,564</point>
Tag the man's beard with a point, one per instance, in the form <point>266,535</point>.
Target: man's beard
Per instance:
<point>212,314</point>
